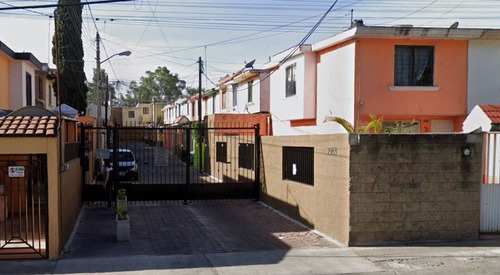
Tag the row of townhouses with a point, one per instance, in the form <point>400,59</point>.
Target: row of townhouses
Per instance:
<point>432,77</point>
<point>24,81</point>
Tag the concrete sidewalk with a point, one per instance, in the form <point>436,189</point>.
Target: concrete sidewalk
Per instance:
<point>241,238</point>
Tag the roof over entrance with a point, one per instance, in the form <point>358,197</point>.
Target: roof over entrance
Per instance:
<point>28,125</point>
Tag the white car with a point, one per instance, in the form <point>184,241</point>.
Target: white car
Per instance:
<point>127,164</point>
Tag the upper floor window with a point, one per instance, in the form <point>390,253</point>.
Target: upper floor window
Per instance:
<point>39,81</point>
<point>223,103</point>
<point>250,91</point>
<point>414,66</point>
<point>145,110</point>
<point>28,89</point>
<point>214,99</point>
<point>290,81</point>
<point>131,114</point>
<point>235,94</point>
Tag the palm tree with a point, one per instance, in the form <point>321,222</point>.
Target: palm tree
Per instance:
<point>376,124</point>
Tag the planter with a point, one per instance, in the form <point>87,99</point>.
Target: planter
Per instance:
<point>122,230</point>
<point>122,220</point>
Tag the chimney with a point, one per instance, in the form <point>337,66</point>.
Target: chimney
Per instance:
<point>357,23</point>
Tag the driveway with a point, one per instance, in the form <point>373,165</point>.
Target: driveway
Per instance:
<point>174,228</point>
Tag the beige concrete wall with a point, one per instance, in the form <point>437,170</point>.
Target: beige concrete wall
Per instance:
<point>230,170</point>
<point>4,83</point>
<point>414,188</point>
<point>324,206</point>
<point>71,198</point>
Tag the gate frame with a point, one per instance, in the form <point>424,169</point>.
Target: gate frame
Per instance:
<point>189,187</point>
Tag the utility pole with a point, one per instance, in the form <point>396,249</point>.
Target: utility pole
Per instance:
<point>200,130</point>
<point>200,71</point>
<point>99,100</point>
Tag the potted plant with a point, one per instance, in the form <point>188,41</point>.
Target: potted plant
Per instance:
<point>122,217</point>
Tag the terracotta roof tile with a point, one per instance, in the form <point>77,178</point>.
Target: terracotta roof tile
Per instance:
<point>492,111</point>
<point>28,126</point>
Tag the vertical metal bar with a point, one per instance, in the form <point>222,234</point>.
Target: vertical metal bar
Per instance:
<point>494,158</point>
<point>188,165</point>
<point>257,162</point>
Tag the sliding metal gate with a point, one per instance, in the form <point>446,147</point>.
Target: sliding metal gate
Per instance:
<point>179,163</point>
<point>23,206</point>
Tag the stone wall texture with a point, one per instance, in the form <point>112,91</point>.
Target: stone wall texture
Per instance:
<point>414,187</point>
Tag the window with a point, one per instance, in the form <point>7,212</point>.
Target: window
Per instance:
<point>39,81</point>
<point>192,108</point>
<point>250,91</point>
<point>221,153</point>
<point>145,110</point>
<point>131,114</point>
<point>401,126</point>
<point>224,100</point>
<point>414,66</point>
<point>290,81</point>
<point>213,103</point>
<point>298,164</point>
<point>187,109</point>
<point>50,95</point>
<point>235,95</point>
<point>246,155</point>
<point>28,90</point>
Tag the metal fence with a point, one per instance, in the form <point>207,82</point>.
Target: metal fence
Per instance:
<point>177,162</point>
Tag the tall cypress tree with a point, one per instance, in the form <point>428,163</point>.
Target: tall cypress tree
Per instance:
<point>71,73</point>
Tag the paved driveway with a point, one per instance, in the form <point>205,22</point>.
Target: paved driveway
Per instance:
<point>174,229</point>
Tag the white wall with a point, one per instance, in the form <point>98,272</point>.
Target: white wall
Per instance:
<point>284,109</point>
<point>477,118</point>
<point>16,85</point>
<point>335,88</point>
<point>483,84</point>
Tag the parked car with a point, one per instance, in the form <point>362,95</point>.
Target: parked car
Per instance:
<point>127,164</point>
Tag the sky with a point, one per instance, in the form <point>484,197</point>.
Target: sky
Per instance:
<point>224,33</point>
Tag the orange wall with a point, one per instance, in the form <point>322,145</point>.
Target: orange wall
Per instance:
<point>375,73</point>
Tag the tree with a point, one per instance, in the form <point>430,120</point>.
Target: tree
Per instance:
<point>72,79</point>
<point>160,83</point>
<point>376,124</point>
<point>92,86</point>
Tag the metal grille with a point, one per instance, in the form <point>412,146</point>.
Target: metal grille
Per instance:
<point>298,164</point>
<point>181,163</point>
<point>23,206</point>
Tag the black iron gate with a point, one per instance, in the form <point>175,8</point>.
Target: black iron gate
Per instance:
<point>23,206</point>
<point>177,163</point>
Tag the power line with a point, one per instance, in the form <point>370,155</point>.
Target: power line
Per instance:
<point>61,5</point>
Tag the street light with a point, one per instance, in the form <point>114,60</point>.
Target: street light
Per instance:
<point>99,100</point>
<point>124,53</point>
<point>99,62</point>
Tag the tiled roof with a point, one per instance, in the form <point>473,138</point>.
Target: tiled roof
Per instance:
<point>492,111</point>
<point>28,126</point>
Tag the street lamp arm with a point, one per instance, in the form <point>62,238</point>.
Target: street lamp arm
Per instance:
<point>125,53</point>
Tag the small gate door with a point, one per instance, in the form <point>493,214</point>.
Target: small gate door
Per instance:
<point>23,206</point>
<point>490,187</point>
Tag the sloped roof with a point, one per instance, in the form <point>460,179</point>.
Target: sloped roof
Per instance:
<point>492,111</point>
<point>28,126</point>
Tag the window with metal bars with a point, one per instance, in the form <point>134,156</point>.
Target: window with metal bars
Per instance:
<point>414,66</point>
<point>291,89</point>
<point>246,155</point>
<point>298,164</point>
<point>221,153</point>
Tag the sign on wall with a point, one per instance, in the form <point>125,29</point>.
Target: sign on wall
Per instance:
<point>16,171</point>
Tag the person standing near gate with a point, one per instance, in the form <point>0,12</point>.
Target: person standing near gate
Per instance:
<point>109,182</point>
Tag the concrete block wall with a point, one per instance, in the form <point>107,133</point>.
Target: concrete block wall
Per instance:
<point>414,187</point>
<point>322,206</point>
